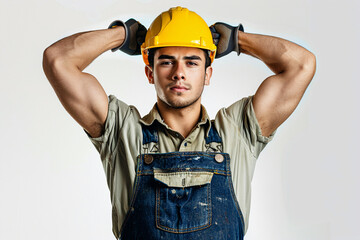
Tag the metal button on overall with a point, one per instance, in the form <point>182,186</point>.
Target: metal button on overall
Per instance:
<point>148,159</point>
<point>219,158</point>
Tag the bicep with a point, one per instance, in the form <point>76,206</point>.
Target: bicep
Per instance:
<point>81,95</point>
<point>278,96</point>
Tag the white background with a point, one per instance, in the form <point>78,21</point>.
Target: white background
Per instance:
<point>306,184</point>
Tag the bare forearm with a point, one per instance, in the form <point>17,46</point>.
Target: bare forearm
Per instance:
<point>81,49</point>
<point>278,54</point>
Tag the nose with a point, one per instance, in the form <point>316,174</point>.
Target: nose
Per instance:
<point>178,73</point>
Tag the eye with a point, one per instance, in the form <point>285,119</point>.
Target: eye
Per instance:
<point>192,63</point>
<point>164,63</point>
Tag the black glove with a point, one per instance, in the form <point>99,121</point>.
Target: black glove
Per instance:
<point>225,38</point>
<point>135,34</point>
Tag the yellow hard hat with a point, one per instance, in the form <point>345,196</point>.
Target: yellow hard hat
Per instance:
<point>178,27</point>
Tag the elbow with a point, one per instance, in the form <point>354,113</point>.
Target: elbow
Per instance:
<point>54,54</point>
<point>307,67</point>
<point>50,55</point>
<point>52,61</point>
<point>310,63</point>
<point>48,62</point>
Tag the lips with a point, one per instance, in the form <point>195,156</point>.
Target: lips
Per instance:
<point>179,88</point>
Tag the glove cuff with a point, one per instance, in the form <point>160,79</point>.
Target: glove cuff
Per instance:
<point>119,23</point>
<point>236,32</point>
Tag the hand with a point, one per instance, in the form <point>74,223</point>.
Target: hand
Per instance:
<point>135,34</point>
<point>225,38</point>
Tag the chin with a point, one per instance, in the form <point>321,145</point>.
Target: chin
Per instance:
<point>181,104</point>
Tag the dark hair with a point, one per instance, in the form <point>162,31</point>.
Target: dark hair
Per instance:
<point>152,51</point>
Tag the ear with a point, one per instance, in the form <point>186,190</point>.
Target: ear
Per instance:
<point>149,74</point>
<point>208,73</point>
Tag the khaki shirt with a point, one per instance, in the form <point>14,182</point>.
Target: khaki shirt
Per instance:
<point>121,143</point>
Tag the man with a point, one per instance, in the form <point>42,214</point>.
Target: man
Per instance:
<point>174,174</point>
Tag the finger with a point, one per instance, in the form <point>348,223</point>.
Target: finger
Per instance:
<point>215,35</point>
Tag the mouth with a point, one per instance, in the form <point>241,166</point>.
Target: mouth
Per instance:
<point>179,88</point>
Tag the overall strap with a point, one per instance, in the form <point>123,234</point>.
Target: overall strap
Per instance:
<point>150,139</point>
<point>213,136</point>
<point>213,141</point>
<point>150,134</point>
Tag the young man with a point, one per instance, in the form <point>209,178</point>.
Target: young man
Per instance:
<point>174,174</point>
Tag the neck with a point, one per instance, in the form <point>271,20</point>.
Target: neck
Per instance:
<point>181,120</point>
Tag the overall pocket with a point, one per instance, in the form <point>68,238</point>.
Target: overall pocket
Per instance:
<point>183,201</point>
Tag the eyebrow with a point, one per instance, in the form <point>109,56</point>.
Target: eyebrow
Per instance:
<point>192,57</point>
<point>166,57</point>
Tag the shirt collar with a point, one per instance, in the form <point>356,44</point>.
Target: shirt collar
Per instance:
<point>154,115</point>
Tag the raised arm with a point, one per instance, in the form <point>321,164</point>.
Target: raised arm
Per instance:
<point>79,92</point>
<point>278,95</point>
<point>293,65</point>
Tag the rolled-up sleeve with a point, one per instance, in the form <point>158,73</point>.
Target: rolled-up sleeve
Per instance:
<point>107,143</point>
<point>243,114</point>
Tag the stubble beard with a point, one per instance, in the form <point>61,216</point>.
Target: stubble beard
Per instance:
<point>178,104</point>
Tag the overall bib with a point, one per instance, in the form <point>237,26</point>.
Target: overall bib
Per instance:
<point>183,195</point>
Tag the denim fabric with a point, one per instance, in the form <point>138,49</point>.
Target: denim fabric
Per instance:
<point>205,207</point>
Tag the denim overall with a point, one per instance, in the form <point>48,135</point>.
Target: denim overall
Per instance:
<point>183,195</point>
